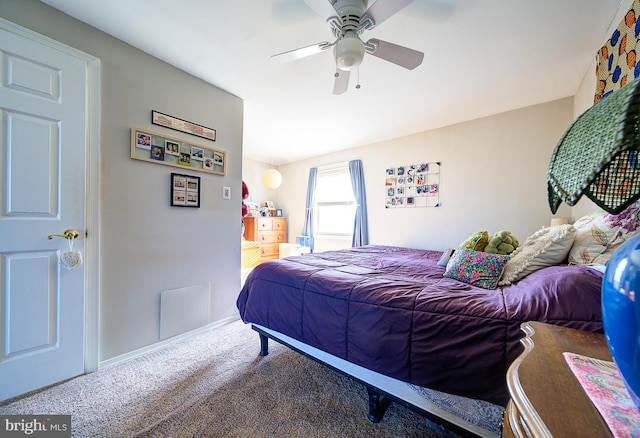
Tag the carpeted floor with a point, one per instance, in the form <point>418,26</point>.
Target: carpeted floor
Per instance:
<point>215,384</point>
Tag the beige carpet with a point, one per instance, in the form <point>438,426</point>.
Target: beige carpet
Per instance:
<point>216,385</point>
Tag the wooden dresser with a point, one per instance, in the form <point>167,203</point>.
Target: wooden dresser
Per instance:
<point>269,231</point>
<point>546,398</point>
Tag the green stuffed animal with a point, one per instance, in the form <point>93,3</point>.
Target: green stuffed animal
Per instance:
<point>503,242</point>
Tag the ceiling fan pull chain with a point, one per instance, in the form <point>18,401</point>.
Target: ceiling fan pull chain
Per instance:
<point>358,81</point>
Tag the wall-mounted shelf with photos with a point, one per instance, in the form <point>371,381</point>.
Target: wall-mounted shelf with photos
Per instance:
<point>161,149</point>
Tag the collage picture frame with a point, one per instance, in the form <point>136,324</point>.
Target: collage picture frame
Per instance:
<point>185,190</point>
<point>161,149</point>
<point>415,185</point>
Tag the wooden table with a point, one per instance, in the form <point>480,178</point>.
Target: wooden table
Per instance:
<point>546,398</point>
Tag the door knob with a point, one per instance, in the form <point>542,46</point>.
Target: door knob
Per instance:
<point>69,234</point>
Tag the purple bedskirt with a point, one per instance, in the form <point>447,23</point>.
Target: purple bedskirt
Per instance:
<point>390,309</point>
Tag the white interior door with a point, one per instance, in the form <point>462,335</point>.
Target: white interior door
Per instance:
<point>43,138</point>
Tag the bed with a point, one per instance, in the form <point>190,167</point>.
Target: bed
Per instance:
<point>388,317</point>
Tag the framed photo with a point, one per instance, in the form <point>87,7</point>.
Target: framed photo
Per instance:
<point>185,159</point>
<point>269,205</point>
<point>143,141</point>
<point>218,159</point>
<point>185,190</point>
<point>157,152</point>
<point>158,118</point>
<point>171,148</point>
<point>278,212</point>
<point>197,153</point>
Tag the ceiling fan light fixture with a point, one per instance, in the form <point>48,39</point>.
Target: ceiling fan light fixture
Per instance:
<point>349,52</point>
<point>348,19</point>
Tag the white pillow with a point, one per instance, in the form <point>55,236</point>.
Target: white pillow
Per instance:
<point>444,259</point>
<point>546,247</point>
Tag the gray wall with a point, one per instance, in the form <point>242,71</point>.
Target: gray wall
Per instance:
<point>146,245</point>
<point>493,177</point>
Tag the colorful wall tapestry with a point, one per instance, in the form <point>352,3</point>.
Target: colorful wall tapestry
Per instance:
<point>417,185</point>
<point>618,66</point>
<point>617,61</point>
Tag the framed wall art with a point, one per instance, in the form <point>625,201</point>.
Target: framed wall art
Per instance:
<point>158,148</point>
<point>185,190</point>
<point>415,185</point>
<point>160,119</point>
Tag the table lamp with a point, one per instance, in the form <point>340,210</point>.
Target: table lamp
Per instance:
<point>598,157</point>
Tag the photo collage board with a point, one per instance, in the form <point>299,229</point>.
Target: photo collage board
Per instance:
<point>161,149</point>
<point>417,185</point>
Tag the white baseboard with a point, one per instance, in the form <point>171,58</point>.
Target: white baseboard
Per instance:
<point>153,347</point>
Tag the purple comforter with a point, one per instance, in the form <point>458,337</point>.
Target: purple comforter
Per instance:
<point>390,309</point>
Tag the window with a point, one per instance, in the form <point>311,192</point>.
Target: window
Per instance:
<point>335,205</point>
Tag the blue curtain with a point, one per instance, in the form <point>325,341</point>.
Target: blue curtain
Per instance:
<point>361,227</point>
<point>307,229</point>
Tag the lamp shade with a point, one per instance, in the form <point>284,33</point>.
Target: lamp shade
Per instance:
<point>598,155</point>
<point>271,179</point>
<point>559,221</point>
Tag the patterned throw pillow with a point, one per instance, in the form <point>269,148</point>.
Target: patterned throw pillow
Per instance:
<point>476,268</point>
<point>548,246</point>
<point>599,234</point>
<point>477,241</point>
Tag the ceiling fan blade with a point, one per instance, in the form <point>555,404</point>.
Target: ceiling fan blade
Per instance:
<point>323,8</point>
<point>399,55</point>
<point>302,52</point>
<point>341,84</point>
<point>381,10</point>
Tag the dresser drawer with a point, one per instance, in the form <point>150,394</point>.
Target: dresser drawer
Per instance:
<point>272,236</point>
<point>265,224</point>
<point>279,223</point>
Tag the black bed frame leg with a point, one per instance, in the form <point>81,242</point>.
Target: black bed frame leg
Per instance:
<point>264,345</point>
<point>377,406</point>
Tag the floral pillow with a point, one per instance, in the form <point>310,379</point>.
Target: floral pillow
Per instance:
<point>476,268</point>
<point>599,234</point>
<point>548,246</point>
<point>477,241</point>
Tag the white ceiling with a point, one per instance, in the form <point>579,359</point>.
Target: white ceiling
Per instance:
<point>482,57</point>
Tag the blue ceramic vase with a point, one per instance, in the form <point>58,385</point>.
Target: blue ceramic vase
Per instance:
<point>621,313</point>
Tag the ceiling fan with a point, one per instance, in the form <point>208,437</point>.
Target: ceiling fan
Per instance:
<point>348,19</point>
